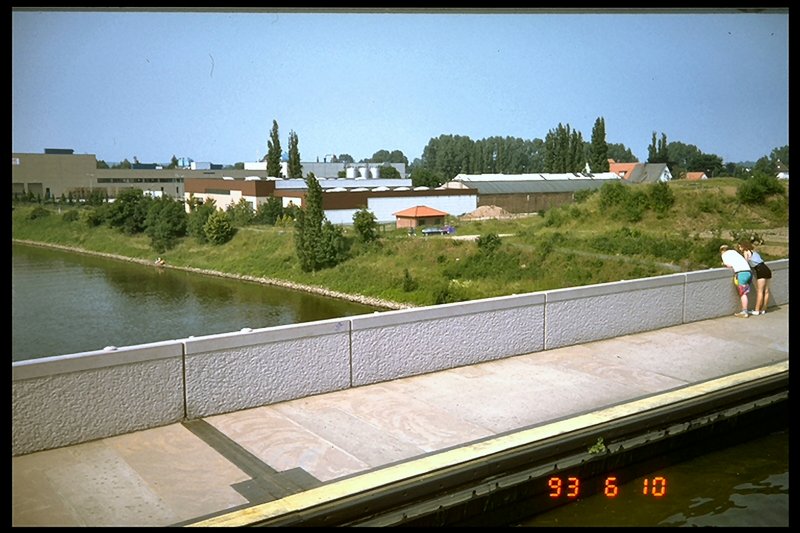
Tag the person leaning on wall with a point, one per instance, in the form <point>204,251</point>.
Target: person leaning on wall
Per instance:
<point>741,275</point>
<point>763,276</point>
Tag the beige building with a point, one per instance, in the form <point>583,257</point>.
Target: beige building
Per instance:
<point>59,171</point>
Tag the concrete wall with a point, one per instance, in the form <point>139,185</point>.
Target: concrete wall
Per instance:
<point>403,343</point>
<point>235,371</point>
<point>69,399</point>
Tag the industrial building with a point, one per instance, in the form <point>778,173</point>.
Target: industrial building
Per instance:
<point>342,198</point>
<point>59,171</point>
<point>530,193</point>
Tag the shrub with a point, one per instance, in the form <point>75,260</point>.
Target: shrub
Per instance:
<point>612,194</point>
<point>38,212</point>
<point>197,219</point>
<point>241,213</point>
<point>70,216</point>
<point>489,243</point>
<point>583,195</point>
<point>755,190</point>
<point>218,228</point>
<point>409,283</point>
<point>661,197</point>
<point>92,217</point>
<point>165,223</point>
<point>365,225</point>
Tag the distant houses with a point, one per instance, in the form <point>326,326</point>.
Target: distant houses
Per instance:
<point>696,176</point>
<point>640,172</point>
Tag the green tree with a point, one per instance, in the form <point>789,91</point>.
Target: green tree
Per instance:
<point>424,177</point>
<point>621,154</point>
<point>319,243</point>
<point>780,156</point>
<point>381,156</point>
<point>129,211</point>
<point>365,225</point>
<point>274,153</point>
<point>709,163</point>
<point>661,197</point>
<point>345,158</point>
<point>241,213</point>
<point>389,172</point>
<point>101,164</point>
<point>563,150</point>
<point>765,166</point>
<point>598,161</point>
<point>756,189</point>
<point>165,223</point>
<point>294,168</point>
<point>198,216</point>
<point>333,248</point>
<point>270,211</point>
<point>308,227</point>
<point>658,152</point>
<point>173,163</point>
<point>218,228</point>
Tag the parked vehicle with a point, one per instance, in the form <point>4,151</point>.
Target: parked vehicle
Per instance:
<point>446,230</point>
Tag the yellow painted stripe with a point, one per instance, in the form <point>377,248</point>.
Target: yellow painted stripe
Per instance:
<point>378,478</point>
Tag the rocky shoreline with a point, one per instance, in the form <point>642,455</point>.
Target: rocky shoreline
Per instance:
<point>357,298</point>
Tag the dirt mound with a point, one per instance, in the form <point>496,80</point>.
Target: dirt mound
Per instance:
<point>486,212</point>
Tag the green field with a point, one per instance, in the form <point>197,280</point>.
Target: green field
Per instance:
<point>582,243</point>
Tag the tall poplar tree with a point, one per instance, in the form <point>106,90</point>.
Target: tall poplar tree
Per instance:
<point>274,153</point>
<point>658,153</point>
<point>319,244</point>
<point>598,161</point>
<point>294,168</point>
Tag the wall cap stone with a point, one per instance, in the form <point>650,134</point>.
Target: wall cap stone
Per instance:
<point>111,356</point>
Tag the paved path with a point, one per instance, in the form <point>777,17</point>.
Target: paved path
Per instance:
<point>182,472</point>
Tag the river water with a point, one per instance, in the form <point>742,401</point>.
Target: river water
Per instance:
<point>64,303</point>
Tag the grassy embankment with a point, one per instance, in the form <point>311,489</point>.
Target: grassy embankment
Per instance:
<point>579,244</point>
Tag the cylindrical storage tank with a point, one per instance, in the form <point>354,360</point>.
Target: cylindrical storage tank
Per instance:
<point>375,173</point>
<point>364,172</point>
<point>351,173</point>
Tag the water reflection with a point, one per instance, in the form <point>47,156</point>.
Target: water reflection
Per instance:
<point>66,303</point>
<point>743,485</point>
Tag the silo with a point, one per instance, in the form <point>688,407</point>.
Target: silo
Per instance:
<point>375,173</point>
<point>351,173</point>
<point>364,172</point>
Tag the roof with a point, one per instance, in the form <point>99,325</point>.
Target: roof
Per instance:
<point>420,211</point>
<point>694,176</point>
<point>535,183</point>
<point>639,172</point>
<point>624,170</point>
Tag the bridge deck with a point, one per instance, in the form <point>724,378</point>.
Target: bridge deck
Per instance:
<point>183,472</point>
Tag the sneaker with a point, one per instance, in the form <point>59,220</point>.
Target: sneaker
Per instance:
<point>758,312</point>
<point>742,314</point>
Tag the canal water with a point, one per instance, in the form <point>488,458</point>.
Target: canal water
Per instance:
<point>65,303</point>
<point>743,485</point>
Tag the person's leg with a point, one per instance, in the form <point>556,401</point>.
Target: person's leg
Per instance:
<point>744,287</point>
<point>765,300</point>
<point>761,284</point>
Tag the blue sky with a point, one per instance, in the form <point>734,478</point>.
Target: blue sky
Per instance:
<point>208,85</point>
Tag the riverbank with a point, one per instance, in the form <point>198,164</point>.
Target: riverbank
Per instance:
<point>357,298</point>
